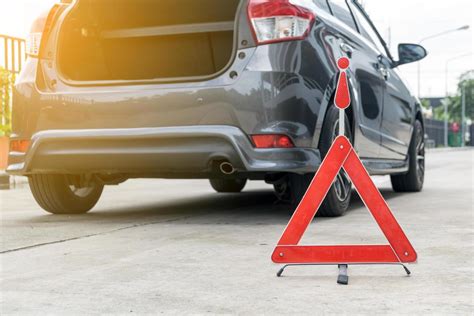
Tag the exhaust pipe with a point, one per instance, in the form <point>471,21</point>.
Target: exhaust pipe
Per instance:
<point>227,168</point>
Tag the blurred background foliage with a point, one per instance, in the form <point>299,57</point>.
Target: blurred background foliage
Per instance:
<point>6,81</point>
<point>455,102</point>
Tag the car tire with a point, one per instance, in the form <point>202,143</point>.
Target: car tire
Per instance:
<point>57,195</point>
<point>338,198</point>
<point>228,185</point>
<point>413,180</point>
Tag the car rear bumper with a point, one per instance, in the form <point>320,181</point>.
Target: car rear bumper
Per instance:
<point>170,152</point>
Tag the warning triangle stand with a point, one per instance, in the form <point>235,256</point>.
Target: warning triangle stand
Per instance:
<point>342,155</point>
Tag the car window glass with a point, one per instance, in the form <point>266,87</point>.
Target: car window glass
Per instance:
<point>367,31</point>
<point>322,4</point>
<point>341,11</point>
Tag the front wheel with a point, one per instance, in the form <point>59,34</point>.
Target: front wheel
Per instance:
<point>338,197</point>
<point>414,179</point>
<point>61,194</point>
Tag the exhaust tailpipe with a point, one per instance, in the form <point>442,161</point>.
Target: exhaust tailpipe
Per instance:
<point>226,168</point>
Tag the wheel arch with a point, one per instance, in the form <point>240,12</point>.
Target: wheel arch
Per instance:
<point>419,116</point>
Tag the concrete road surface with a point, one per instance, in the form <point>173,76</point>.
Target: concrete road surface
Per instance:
<point>175,247</point>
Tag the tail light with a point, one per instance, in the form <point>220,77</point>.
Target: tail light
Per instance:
<point>272,141</point>
<point>41,28</point>
<point>279,20</point>
<point>20,146</point>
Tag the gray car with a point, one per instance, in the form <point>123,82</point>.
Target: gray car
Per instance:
<point>225,90</point>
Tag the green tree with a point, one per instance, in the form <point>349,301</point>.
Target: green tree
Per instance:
<point>455,102</point>
<point>426,104</point>
<point>6,80</point>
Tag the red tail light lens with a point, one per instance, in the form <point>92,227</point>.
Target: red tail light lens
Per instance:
<point>272,141</point>
<point>279,20</point>
<point>20,146</point>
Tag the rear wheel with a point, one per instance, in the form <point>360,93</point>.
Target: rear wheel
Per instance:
<point>61,194</point>
<point>414,179</point>
<point>338,198</point>
<point>228,185</point>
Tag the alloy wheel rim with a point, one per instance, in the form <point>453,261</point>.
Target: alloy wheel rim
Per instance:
<point>420,155</point>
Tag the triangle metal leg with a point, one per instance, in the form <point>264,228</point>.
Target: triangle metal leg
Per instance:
<point>343,277</point>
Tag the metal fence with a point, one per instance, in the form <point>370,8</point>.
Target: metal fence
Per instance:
<point>12,51</point>
<point>471,132</point>
<point>434,132</point>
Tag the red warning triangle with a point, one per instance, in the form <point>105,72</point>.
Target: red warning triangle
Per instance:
<point>342,155</point>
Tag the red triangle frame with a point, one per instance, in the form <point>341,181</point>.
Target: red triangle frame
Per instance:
<point>343,155</point>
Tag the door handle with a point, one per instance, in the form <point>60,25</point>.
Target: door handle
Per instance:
<point>346,48</point>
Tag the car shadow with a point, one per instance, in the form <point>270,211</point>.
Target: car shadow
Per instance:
<point>256,207</point>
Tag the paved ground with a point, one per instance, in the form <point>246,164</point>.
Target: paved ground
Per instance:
<point>154,246</point>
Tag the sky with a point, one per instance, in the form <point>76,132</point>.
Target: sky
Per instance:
<point>403,21</point>
<point>409,21</point>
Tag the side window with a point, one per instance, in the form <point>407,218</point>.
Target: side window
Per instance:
<point>367,31</point>
<point>322,4</point>
<point>341,11</point>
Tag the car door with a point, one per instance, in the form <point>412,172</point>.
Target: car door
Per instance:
<point>397,113</point>
<point>371,85</point>
<point>397,117</point>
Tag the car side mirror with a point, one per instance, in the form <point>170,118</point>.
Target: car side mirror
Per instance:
<point>409,53</point>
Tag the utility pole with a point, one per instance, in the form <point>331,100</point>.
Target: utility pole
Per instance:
<point>463,114</point>
<point>445,104</point>
<point>389,37</point>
